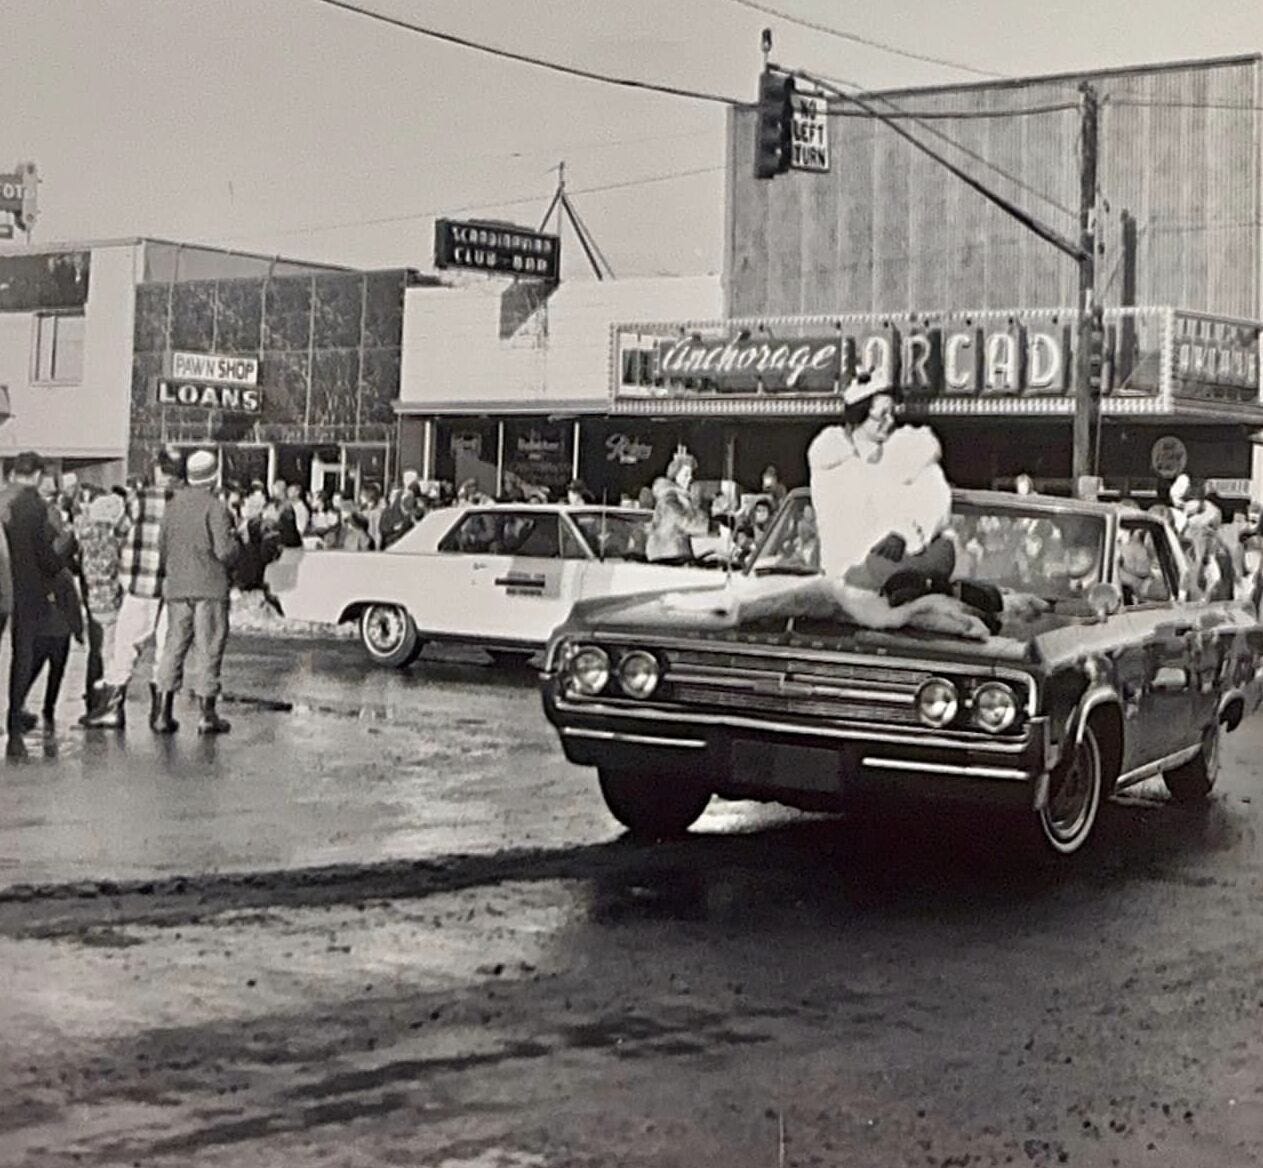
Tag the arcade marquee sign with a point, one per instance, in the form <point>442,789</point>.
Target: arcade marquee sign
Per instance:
<point>1006,356</point>
<point>1150,355</point>
<point>210,381</point>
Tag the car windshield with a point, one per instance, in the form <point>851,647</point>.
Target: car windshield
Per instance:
<point>1028,549</point>
<point>614,535</point>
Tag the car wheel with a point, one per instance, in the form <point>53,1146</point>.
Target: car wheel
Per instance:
<point>653,807</point>
<point>1074,797</point>
<point>389,635</point>
<point>1195,780</point>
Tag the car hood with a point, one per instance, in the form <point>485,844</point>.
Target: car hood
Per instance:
<point>1039,641</point>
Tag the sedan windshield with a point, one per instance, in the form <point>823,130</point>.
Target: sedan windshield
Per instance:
<point>1052,554</point>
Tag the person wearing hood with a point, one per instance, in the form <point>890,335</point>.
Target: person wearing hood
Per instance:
<point>676,515</point>
<point>881,499</point>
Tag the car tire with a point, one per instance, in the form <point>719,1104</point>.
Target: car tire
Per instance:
<point>389,635</point>
<point>1075,793</point>
<point>653,807</point>
<point>1194,781</point>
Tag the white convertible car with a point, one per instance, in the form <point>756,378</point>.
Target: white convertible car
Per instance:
<point>501,576</point>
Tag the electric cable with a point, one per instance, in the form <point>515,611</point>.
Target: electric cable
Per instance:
<point>869,42</point>
<point>315,229</point>
<point>967,151</point>
<point>526,59</point>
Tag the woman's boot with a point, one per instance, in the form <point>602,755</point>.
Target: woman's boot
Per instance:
<point>108,709</point>
<point>162,721</point>
<point>211,722</point>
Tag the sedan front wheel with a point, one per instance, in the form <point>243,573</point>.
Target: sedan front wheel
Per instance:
<point>1074,797</point>
<point>652,807</point>
<point>389,635</point>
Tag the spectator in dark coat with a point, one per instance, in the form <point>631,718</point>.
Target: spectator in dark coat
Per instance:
<point>62,620</point>
<point>198,546</point>
<point>34,564</point>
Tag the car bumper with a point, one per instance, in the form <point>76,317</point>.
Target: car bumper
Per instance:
<point>731,751</point>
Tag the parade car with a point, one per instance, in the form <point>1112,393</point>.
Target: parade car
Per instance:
<point>1114,676</point>
<point>499,576</point>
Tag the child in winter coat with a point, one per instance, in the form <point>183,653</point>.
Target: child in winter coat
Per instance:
<point>100,529</point>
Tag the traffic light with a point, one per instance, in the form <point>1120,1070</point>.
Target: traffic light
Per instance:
<point>772,136</point>
<point>1096,349</point>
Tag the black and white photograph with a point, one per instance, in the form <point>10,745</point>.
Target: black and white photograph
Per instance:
<point>631,584</point>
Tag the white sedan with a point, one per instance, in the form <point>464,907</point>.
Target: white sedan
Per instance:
<point>500,576</point>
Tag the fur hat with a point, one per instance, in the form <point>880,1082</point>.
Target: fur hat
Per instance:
<point>107,508</point>
<point>201,468</point>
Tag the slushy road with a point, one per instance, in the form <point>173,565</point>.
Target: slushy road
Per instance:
<point>384,922</point>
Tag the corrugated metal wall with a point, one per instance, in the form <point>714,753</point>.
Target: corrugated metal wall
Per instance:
<point>889,230</point>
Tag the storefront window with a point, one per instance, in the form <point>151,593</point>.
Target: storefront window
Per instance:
<point>538,456</point>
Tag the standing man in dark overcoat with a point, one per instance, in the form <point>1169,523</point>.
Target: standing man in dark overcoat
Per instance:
<point>34,564</point>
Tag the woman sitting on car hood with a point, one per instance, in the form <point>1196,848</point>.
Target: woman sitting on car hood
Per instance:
<point>882,502</point>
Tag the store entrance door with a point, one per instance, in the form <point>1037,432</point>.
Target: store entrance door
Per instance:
<point>244,465</point>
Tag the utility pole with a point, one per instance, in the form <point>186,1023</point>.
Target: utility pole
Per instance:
<point>562,205</point>
<point>1087,385</point>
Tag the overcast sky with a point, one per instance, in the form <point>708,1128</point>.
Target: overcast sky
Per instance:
<point>284,126</point>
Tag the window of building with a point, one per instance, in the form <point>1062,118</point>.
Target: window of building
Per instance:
<point>58,348</point>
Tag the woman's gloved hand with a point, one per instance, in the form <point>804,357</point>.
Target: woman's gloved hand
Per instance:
<point>891,548</point>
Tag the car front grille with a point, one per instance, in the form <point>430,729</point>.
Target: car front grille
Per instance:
<point>786,685</point>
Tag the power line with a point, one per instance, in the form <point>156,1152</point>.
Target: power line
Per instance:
<point>1049,234</point>
<point>525,59</point>
<point>867,41</point>
<point>953,115</point>
<point>386,219</point>
<point>1158,104</point>
<point>898,111</point>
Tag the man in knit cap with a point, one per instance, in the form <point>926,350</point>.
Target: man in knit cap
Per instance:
<point>198,546</point>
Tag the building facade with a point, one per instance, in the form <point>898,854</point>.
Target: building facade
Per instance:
<point>508,384</point>
<point>903,265</point>
<point>111,350</point>
<point>326,347</point>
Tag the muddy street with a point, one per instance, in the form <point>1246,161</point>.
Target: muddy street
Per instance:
<point>384,922</point>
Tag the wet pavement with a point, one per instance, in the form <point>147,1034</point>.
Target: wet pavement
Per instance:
<point>383,922</point>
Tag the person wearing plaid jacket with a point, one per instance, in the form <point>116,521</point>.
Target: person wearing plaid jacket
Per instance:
<point>142,615</point>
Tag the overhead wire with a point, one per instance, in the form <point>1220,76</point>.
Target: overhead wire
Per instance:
<point>868,42</point>
<point>954,115</point>
<point>317,228</point>
<point>1157,103</point>
<point>527,59</point>
<point>1049,234</point>
<point>995,168</point>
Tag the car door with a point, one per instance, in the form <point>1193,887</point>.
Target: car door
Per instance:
<point>525,582</point>
<point>1157,668</point>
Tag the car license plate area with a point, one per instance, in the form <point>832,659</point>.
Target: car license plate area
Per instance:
<point>793,768</point>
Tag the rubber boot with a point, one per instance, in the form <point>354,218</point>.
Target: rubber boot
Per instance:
<point>162,721</point>
<point>108,709</point>
<point>155,704</point>
<point>211,722</point>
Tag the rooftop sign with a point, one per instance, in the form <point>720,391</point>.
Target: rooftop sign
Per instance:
<point>497,249</point>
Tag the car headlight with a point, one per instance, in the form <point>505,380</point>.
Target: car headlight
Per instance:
<point>638,673</point>
<point>994,706</point>
<point>589,670</point>
<point>937,702</point>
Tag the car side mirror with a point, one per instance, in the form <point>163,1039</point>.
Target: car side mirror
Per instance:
<point>1105,599</point>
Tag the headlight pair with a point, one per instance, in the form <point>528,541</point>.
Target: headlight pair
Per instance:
<point>992,706</point>
<point>589,670</point>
